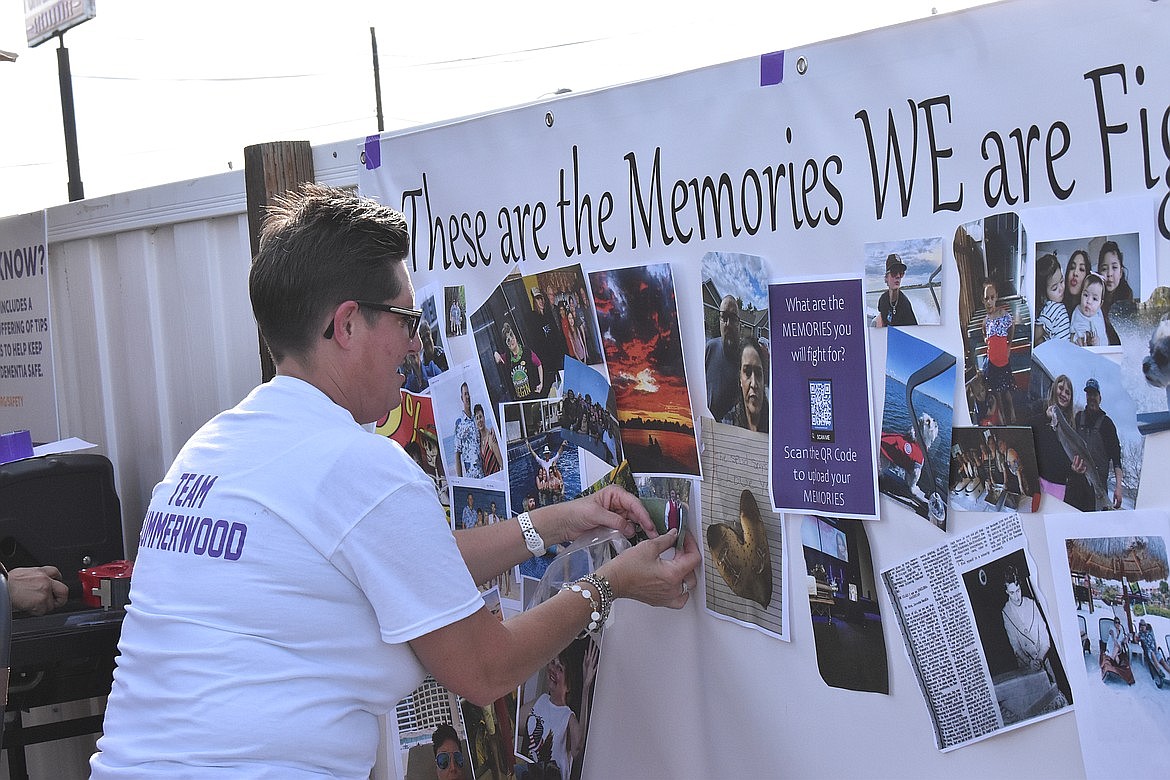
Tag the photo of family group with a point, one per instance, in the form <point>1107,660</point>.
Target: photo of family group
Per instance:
<point>993,469</point>
<point>543,467</point>
<point>589,412</point>
<point>527,327</point>
<point>1096,291</point>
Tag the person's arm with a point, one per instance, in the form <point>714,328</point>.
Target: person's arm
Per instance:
<point>1045,642</point>
<point>579,724</point>
<point>539,371</point>
<point>553,461</point>
<point>497,548</point>
<point>36,589</point>
<point>1113,445</point>
<point>458,452</point>
<point>481,658</point>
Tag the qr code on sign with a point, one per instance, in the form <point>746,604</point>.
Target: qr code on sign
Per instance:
<point>820,405</point>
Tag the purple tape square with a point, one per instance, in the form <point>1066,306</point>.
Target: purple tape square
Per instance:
<point>771,68</point>
<point>373,152</point>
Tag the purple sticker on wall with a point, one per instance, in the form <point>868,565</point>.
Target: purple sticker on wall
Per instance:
<point>771,68</point>
<point>373,152</point>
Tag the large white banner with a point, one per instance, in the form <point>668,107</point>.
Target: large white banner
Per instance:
<point>28,397</point>
<point>970,131</point>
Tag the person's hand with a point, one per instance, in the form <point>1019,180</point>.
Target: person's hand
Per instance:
<point>1091,338</point>
<point>610,507</point>
<point>1079,465</point>
<point>589,664</point>
<point>37,589</point>
<point>1117,496</point>
<point>1052,415</point>
<point>499,359</point>
<point>641,573</point>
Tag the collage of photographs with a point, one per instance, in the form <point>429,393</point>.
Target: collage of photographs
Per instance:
<point>578,379</point>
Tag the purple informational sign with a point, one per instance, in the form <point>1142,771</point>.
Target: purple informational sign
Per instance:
<point>822,419</point>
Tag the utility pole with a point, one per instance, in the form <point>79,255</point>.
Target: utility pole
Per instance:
<point>65,77</point>
<point>377,78</point>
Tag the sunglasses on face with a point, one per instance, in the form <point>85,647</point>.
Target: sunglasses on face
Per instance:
<point>444,759</point>
<point>412,318</point>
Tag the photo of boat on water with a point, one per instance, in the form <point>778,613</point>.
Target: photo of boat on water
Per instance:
<point>915,454</point>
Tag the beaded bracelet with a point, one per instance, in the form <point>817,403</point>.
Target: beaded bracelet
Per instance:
<point>595,616</point>
<point>604,592</point>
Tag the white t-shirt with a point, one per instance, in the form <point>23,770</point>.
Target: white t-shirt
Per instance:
<point>554,720</point>
<point>285,560</point>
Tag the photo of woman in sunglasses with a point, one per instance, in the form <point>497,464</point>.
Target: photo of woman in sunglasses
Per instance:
<point>449,758</point>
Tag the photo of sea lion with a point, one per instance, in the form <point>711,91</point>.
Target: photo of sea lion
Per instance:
<point>741,552</point>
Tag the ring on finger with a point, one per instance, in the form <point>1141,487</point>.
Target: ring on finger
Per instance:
<point>686,587</point>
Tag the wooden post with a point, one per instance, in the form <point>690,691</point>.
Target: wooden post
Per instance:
<point>270,169</point>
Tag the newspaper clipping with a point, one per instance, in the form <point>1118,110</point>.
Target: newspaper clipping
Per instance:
<point>976,632</point>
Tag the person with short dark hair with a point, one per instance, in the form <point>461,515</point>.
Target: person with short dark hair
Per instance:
<point>1026,628</point>
<point>548,339</point>
<point>296,575</point>
<point>894,307</point>
<point>1100,436</point>
<point>449,758</point>
<point>468,460</point>
<point>721,361</point>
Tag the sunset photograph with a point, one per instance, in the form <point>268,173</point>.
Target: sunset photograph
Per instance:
<point>638,318</point>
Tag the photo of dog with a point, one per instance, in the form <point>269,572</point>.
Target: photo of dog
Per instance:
<point>1156,365</point>
<point>908,452</point>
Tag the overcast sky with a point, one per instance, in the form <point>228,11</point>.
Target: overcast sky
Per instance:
<point>167,91</point>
